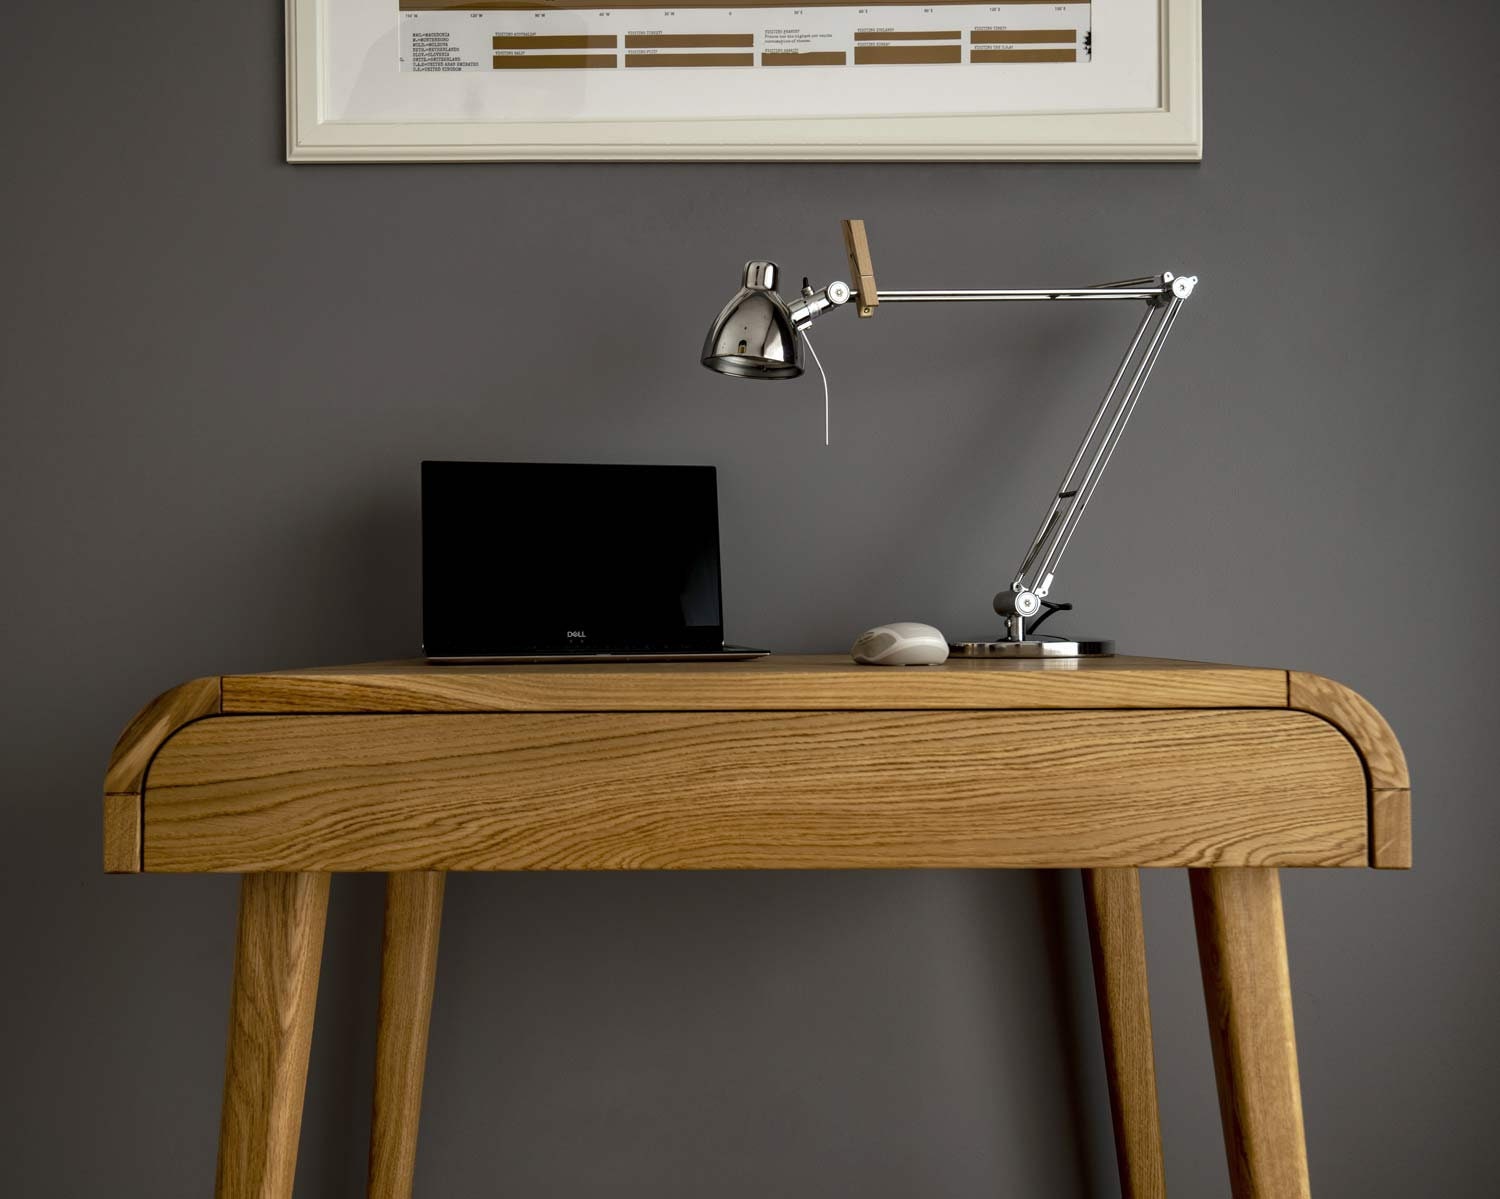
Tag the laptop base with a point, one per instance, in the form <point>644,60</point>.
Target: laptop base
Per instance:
<point>730,653</point>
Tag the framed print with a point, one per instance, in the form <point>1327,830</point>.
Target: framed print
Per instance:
<point>476,80</point>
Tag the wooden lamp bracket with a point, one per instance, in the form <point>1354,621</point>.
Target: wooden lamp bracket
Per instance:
<point>861,269</point>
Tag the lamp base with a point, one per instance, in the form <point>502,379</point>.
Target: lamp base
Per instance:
<point>1040,646</point>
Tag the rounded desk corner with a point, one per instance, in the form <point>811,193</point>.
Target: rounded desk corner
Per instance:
<point>1385,763</point>
<point>124,778</point>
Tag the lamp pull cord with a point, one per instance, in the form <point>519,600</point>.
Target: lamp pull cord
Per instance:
<point>821,371</point>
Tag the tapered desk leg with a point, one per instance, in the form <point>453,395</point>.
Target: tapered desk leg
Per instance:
<point>413,914</point>
<point>277,954</point>
<point>1247,989</point>
<point>1117,936</point>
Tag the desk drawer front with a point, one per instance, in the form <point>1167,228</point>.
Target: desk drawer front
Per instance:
<point>726,790</point>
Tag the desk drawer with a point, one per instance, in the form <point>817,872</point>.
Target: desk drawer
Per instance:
<point>755,790</point>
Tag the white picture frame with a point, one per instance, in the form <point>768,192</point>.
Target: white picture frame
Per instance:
<point>1170,131</point>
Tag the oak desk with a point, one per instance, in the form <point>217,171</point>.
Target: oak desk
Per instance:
<point>1105,764</point>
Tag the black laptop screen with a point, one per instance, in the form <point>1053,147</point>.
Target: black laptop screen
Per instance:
<point>524,557</point>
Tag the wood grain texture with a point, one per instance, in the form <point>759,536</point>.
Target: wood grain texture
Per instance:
<point>821,682</point>
<point>1353,713</point>
<point>1390,829</point>
<point>413,916</point>
<point>277,956</point>
<point>1248,994</point>
<point>157,721</point>
<point>697,790</point>
<point>1385,763</point>
<point>1117,939</point>
<point>123,817</point>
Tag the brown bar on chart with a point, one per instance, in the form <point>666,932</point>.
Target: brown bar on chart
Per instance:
<point>542,62</point>
<point>690,60</point>
<point>688,41</point>
<point>1023,55</point>
<point>896,35</point>
<point>550,41</point>
<point>803,58</point>
<point>901,55</point>
<point>1020,37</point>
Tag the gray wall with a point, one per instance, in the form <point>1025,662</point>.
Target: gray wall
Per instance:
<point>219,373</point>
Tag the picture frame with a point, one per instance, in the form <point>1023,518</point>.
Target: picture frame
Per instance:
<point>330,120</point>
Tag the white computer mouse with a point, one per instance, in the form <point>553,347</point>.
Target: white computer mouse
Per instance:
<point>904,643</point>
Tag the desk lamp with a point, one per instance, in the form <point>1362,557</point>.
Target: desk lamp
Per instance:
<point>759,336</point>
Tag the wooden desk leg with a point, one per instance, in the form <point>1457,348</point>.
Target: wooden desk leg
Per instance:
<point>1117,936</point>
<point>1247,989</point>
<point>413,913</point>
<point>277,955</point>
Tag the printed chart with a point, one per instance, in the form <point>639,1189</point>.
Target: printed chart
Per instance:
<point>567,35</point>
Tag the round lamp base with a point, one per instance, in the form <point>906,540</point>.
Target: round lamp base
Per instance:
<point>1037,647</point>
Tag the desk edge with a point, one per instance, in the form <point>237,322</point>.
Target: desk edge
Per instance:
<point>1386,772</point>
<point>125,777</point>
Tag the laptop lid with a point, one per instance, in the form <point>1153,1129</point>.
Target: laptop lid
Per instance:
<point>533,557</point>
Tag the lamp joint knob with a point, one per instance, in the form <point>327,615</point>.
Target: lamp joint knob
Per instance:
<point>1017,603</point>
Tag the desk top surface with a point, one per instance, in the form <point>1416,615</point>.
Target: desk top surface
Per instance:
<point>781,681</point>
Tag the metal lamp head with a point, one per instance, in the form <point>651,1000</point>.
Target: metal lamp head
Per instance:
<point>754,336</point>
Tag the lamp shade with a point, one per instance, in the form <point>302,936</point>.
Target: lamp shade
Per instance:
<point>754,337</point>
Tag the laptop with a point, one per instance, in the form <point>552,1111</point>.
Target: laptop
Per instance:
<point>563,562</point>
